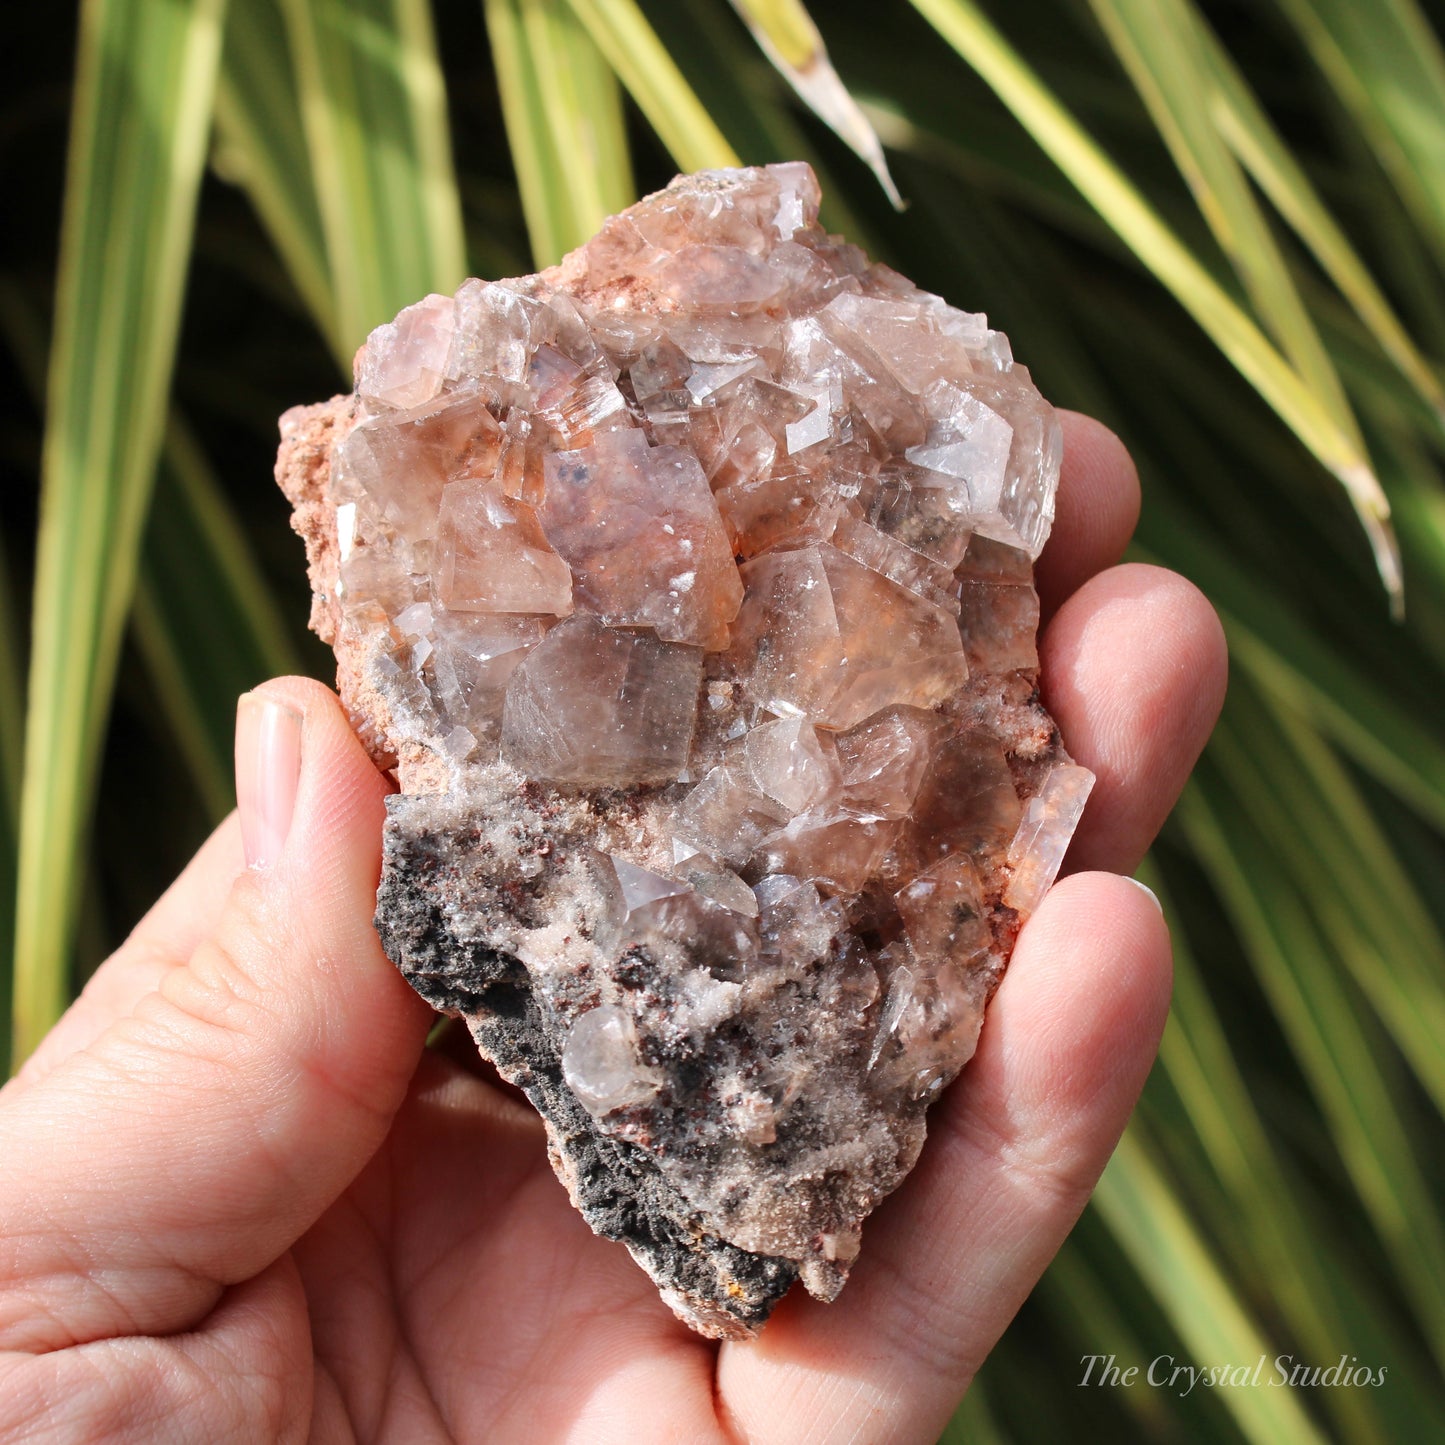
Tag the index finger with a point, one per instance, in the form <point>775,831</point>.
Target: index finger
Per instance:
<point>1095,513</point>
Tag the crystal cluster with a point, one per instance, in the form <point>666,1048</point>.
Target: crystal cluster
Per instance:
<point>688,587</point>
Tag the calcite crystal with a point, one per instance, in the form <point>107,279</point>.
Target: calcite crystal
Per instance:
<point>688,589</point>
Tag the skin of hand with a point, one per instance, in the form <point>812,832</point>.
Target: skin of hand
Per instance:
<point>241,1202</point>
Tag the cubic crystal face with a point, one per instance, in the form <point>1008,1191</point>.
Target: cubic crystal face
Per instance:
<point>688,587</point>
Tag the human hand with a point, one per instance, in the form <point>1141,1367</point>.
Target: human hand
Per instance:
<point>240,1201</point>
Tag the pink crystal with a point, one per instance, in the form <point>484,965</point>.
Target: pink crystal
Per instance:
<point>727,814</point>
<point>472,660</point>
<point>844,641</point>
<point>405,362</point>
<point>999,621</point>
<point>1048,822</point>
<point>796,920</point>
<point>928,1027</point>
<point>967,800</point>
<point>883,760</point>
<point>640,529</point>
<point>687,929</point>
<point>401,461</point>
<point>944,912</point>
<point>788,763</point>
<point>491,555</point>
<point>839,850</point>
<point>591,704</point>
<point>601,1063</point>
<point>722,280</point>
<point>688,587</point>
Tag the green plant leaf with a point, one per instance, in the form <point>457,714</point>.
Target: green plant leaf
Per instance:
<point>1008,165</point>
<point>1119,201</point>
<point>12,723</point>
<point>1161,44</point>
<point>651,76</point>
<point>12,704</point>
<point>261,146</point>
<point>788,37</point>
<point>544,199</point>
<point>1160,1239</point>
<point>1096,1295</point>
<point>1236,1181</point>
<point>203,618</point>
<point>564,123</point>
<point>1295,963</point>
<point>1285,657</point>
<point>22,331</point>
<point>144,83</point>
<point>1305,803</point>
<point>1387,67</point>
<point>373,104</point>
<point>595,129</point>
<point>205,622</point>
<point>1251,134</point>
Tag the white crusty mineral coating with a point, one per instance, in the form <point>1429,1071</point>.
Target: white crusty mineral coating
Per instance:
<point>688,588</point>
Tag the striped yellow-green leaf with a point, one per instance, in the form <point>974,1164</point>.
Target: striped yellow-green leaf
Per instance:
<point>746,95</point>
<point>24,335</point>
<point>1155,1230</point>
<point>1126,209</point>
<point>1310,809</point>
<point>1100,1301</point>
<point>652,78</point>
<point>12,713</point>
<point>593,127</point>
<point>12,706</point>
<point>1000,164</point>
<point>564,122</point>
<point>1240,1188</point>
<point>1161,46</point>
<point>205,623</point>
<point>1374,724</point>
<point>261,146</point>
<point>373,103</point>
<point>789,38</point>
<point>1249,131</point>
<point>21,330</point>
<point>544,199</point>
<point>1295,962</point>
<point>184,713</point>
<point>204,620</point>
<point>1387,66</point>
<point>1286,658</point>
<point>140,118</point>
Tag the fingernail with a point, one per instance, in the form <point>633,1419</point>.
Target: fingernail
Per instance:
<point>268,769</point>
<point>1145,888</point>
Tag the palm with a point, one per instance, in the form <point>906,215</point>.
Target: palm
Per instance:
<point>454,1282</point>
<point>244,1211</point>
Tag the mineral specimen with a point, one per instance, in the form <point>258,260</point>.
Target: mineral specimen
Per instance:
<point>688,589</point>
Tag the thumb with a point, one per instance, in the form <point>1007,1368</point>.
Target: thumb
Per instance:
<point>195,1140</point>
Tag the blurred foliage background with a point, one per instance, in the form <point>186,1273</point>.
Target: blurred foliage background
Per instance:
<point>1217,224</point>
